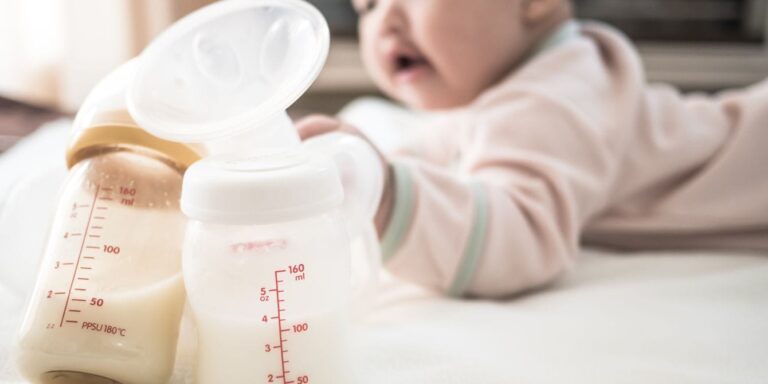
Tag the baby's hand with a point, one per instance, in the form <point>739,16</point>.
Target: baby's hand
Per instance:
<point>315,125</point>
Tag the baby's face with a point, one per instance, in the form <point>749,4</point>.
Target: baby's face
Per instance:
<point>437,54</point>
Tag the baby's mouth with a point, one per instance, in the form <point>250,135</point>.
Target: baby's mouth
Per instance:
<point>404,63</point>
<point>406,66</point>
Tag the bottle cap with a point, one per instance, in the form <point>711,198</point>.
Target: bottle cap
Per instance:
<point>267,188</point>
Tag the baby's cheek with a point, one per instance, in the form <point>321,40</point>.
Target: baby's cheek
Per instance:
<point>371,61</point>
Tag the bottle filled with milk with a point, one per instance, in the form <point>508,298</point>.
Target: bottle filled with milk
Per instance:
<point>267,264</point>
<point>109,295</point>
<point>269,259</point>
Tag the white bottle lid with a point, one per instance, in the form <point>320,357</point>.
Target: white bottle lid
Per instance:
<point>271,187</point>
<point>228,68</point>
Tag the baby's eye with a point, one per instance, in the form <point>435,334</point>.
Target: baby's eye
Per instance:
<point>363,7</point>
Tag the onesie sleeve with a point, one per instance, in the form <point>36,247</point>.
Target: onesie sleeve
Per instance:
<point>531,173</point>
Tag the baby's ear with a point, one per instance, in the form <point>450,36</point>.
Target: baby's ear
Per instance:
<point>536,11</point>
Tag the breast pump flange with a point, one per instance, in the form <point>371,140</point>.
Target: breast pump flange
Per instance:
<point>266,257</point>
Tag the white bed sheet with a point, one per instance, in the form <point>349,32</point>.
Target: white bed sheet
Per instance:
<point>647,317</point>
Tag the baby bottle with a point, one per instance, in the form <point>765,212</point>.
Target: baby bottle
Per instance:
<point>109,295</point>
<point>268,250</point>
<point>266,264</point>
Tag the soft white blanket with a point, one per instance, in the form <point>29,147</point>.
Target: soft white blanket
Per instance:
<point>650,317</point>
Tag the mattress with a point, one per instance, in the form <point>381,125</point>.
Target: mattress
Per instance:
<point>618,317</point>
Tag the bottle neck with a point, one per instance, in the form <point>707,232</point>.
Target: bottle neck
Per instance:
<point>273,134</point>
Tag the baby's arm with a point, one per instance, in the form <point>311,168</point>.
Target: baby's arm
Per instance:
<point>530,176</point>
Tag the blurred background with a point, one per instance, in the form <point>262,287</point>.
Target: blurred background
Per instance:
<point>53,51</point>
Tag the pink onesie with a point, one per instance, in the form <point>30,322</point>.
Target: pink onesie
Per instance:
<point>575,147</point>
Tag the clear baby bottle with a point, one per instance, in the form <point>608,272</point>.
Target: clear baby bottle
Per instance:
<point>109,295</point>
<point>273,222</point>
<point>267,268</point>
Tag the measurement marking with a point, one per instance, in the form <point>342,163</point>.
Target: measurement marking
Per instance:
<point>79,254</point>
<point>70,321</point>
<point>280,329</point>
<point>86,268</point>
<point>80,289</point>
<point>78,299</point>
<point>274,317</point>
<point>67,263</point>
<point>89,257</point>
<point>106,189</point>
<point>74,310</point>
<point>59,293</point>
<point>101,208</point>
<point>83,205</point>
<point>75,234</point>
<point>105,198</point>
<point>94,236</point>
<point>92,247</point>
<point>96,227</point>
<point>83,278</point>
<point>98,217</point>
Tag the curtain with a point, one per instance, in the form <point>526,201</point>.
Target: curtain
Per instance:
<point>52,52</point>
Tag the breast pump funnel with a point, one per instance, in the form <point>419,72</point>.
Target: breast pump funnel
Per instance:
<point>225,74</point>
<point>269,250</point>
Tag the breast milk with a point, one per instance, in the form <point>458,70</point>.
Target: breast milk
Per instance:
<point>122,317</point>
<point>235,278</point>
<point>132,342</point>
<point>240,351</point>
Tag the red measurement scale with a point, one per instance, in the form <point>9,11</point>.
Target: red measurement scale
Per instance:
<point>296,274</point>
<point>91,247</point>
<point>81,266</point>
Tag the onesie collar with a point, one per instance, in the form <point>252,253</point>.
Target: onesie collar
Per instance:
<point>565,32</point>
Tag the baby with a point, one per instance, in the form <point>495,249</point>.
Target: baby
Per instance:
<point>550,138</point>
